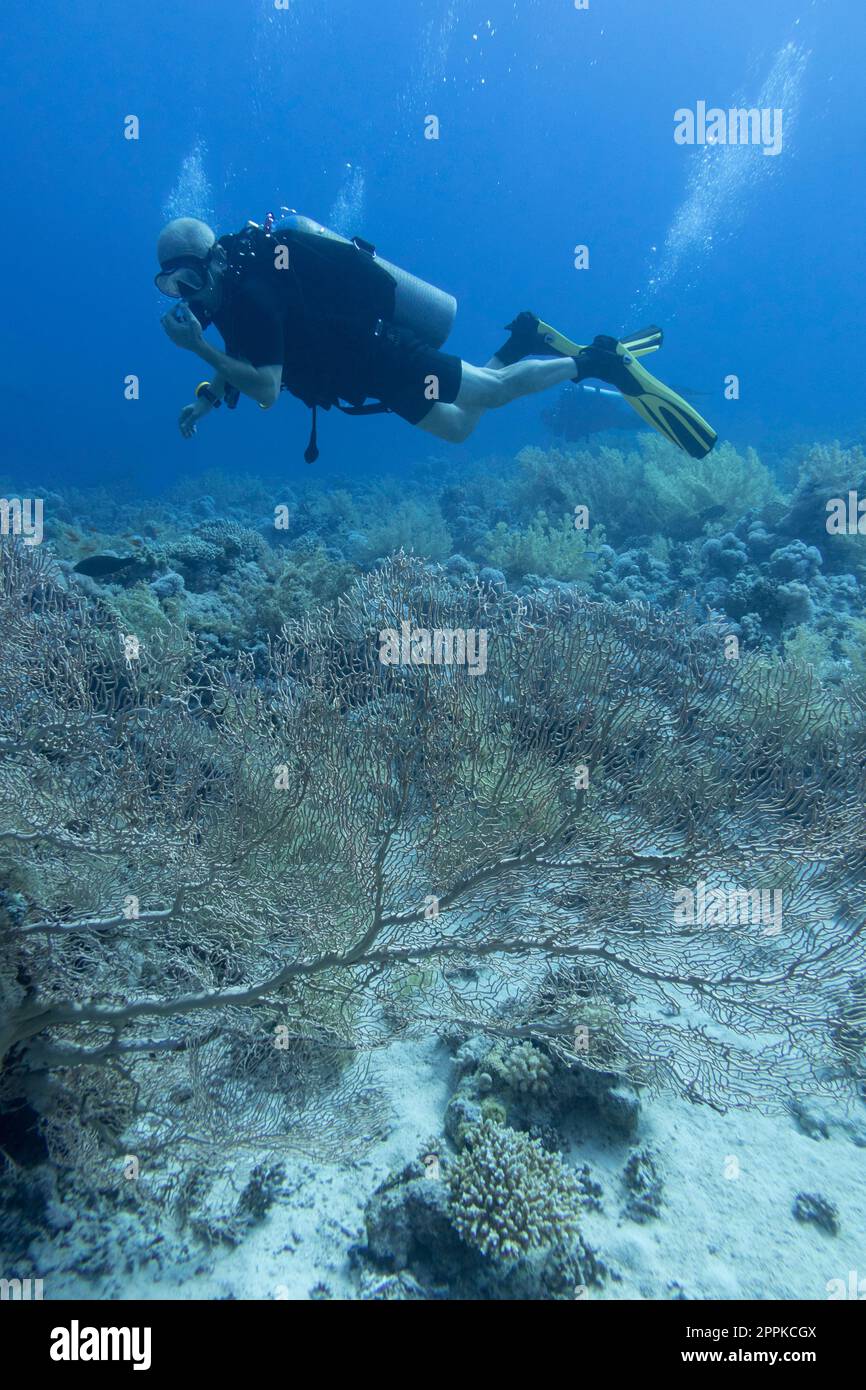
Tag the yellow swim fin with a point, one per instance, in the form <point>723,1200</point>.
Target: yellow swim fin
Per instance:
<point>615,362</point>
<point>639,344</point>
<point>661,407</point>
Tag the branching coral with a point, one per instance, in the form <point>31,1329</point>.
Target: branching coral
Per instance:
<point>556,550</point>
<point>651,489</point>
<point>306,578</point>
<point>828,471</point>
<point>522,1067</point>
<point>414,523</point>
<point>232,541</point>
<point>509,1195</point>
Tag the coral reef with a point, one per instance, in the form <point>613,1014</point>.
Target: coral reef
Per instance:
<point>225,1218</point>
<point>428,1234</point>
<point>554,549</point>
<point>812,1208</point>
<point>193,743</point>
<point>509,1195</point>
<point>163,811</point>
<point>534,1091</point>
<point>643,1183</point>
<point>652,489</point>
<point>715,536</point>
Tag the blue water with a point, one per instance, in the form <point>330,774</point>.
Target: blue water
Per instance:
<point>556,129</point>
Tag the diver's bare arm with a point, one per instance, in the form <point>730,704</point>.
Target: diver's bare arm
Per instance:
<point>262,384</point>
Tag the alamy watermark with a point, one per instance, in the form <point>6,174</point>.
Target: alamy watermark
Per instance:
<point>846,516</point>
<point>729,907</point>
<point>22,516</point>
<point>18,1290</point>
<point>77,1343</point>
<point>739,125</point>
<point>854,1287</point>
<point>438,646</point>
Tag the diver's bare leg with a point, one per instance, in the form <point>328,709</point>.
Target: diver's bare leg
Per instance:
<point>489,388</point>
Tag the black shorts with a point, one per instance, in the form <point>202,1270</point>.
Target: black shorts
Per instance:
<point>408,375</point>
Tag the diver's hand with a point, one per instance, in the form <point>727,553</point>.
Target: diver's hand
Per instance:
<point>186,331</point>
<point>189,418</point>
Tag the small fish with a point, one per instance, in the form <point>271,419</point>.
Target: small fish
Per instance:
<point>99,565</point>
<point>712,513</point>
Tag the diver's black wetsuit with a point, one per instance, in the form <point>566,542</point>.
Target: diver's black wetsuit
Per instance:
<point>326,319</point>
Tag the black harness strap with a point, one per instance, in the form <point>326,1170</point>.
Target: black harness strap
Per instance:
<point>311,453</point>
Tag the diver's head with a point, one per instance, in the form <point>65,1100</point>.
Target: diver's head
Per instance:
<point>190,259</point>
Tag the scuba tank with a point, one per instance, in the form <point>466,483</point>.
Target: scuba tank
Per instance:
<point>420,307</point>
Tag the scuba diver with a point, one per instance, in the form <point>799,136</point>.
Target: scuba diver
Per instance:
<point>303,309</point>
<point>582,411</point>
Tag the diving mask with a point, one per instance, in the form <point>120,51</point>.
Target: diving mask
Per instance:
<point>182,277</point>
